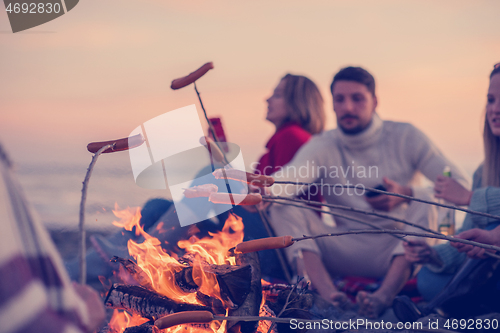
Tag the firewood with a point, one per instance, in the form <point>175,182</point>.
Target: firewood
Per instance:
<point>212,302</point>
<point>234,281</point>
<point>251,305</point>
<point>135,271</point>
<point>185,281</point>
<point>145,302</point>
<point>147,327</point>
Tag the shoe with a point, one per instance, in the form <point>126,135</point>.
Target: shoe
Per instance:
<point>406,310</point>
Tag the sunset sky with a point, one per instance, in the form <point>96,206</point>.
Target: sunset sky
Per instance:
<point>105,67</point>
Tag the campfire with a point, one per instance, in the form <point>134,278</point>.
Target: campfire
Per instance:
<point>206,277</point>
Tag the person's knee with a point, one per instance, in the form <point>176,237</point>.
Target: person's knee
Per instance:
<point>429,284</point>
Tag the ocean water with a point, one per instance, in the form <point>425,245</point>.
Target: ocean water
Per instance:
<point>55,190</point>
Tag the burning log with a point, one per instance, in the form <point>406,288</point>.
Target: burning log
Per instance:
<point>234,281</point>
<point>145,302</point>
<point>212,302</point>
<point>251,305</point>
<point>135,271</point>
<point>147,327</point>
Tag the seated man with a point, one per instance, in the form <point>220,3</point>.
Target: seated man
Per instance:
<point>366,151</point>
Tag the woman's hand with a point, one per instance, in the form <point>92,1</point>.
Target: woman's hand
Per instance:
<point>417,251</point>
<point>450,190</point>
<point>491,237</point>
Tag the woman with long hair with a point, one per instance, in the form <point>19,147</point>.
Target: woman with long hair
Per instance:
<point>442,261</point>
<point>296,110</point>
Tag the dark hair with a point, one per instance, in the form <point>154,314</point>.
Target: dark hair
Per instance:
<point>495,71</point>
<point>356,74</point>
<point>305,103</point>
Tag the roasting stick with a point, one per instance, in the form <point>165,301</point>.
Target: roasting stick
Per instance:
<point>81,223</point>
<point>98,148</point>
<point>286,241</point>
<point>276,199</point>
<point>280,242</point>
<point>369,189</point>
<point>187,80</point>
<point>191,317</point>
<point>371,225</point>
<point>268,183</point>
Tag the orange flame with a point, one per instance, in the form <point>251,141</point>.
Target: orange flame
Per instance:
<point>121,320</point>
<point>161,267</point>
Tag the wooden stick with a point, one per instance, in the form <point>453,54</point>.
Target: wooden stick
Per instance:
<point>404,233</point>
<point>370,189</point>
<point>385,216</point>
<point>331,213</point>
<point>81,223</point>
<point>206,316</point>
<point>210,127</point>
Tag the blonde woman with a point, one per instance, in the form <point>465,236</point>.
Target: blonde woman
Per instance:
<point>442,261</point>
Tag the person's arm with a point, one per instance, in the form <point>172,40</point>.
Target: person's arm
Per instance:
<point>429,160</point>
<point>302,168</point>
<point>485,200</point>
<point>452,191</point>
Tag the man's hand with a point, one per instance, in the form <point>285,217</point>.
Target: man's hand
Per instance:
<point>388,202</point>
<point>419,252</point>
<point>450,190</point>
<point>491,237</point>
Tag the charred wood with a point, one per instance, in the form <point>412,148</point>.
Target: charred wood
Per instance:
<point>145,302</point>
<point>251,305</point>
<point>147,327</point>
<point>234,281</point>
<point>185,281</point>
<point>135,271</point>
<point>212,302</point>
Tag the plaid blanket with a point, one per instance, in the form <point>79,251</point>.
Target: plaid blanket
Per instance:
<point>36,294</point>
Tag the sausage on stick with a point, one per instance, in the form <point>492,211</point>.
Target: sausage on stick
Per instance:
<point>237,199</point>
<point>187,80</point>
<point>269,243</point>
<point>119,145</point>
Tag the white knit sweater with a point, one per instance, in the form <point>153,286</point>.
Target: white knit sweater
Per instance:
<point>389,149</point>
